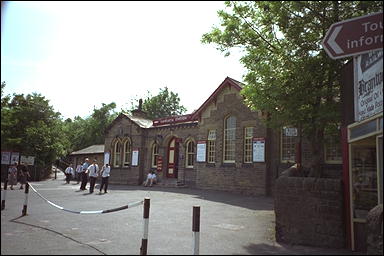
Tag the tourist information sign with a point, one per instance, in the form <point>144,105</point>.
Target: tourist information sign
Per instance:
<point>354,36</point>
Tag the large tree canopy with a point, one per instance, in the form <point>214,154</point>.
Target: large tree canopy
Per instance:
<point>29,125</point>
<point>290,77</point>
<point>165,103</point>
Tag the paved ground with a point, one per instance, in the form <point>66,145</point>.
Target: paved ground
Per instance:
<point>229,224</point>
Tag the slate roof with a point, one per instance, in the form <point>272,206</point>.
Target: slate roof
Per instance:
<point>94,149</point>
<point>140,121</point>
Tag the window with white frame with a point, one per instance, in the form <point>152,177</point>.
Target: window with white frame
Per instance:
<point>332,151</point>
<point>190,154</point>
<point>229,139</point>
<point>116,153</point>
<point>211,146</point>
<point>248,134</point>
<point>155,153</point>
<point>127,152</point>
<point>288,144</point>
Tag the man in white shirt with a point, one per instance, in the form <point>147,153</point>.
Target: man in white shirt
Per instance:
<point>93,171</point>
<point>68,173</point>
<point>105,172</point>
<point>84,175</point>
<point>79,169</point>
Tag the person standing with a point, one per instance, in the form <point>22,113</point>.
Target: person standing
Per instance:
<point>24,174</point>
<point>68,173</point>
<point>12,175</point>
<point>84,174</point>
<point>93,170</point>
<point>105,171</point>
<point>79,168</point>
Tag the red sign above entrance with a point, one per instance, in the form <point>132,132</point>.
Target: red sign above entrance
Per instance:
<point>354,36</point>
<point>173,120</point>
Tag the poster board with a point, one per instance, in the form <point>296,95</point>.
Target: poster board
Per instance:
<point>29,160</point>
<point>106,158</point>
<point>15,157</point>
<point>368,84</point>
<point>5,157</point>
<point>258,148</point>
<point>201,151</point>
<point>135,157</point>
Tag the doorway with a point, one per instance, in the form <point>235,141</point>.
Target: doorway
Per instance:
<point>173,157</point>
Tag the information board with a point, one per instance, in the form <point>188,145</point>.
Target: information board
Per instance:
<point>258,149</point>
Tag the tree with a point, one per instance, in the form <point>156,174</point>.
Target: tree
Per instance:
<point>166,103</point>
<point>290,77</point>
<point>89,131</point>
<point>29,125</point>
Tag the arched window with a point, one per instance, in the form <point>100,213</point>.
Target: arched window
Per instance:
<point>127,152</point>
<point>190,154</point>
<point>155,153</point>
<point>229,139</point>
<point>116,153</point>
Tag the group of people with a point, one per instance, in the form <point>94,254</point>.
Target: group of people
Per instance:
<point>91,171</point>
<point>16,173</point>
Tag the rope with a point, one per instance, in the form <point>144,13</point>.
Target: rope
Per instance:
<point>88,212</point>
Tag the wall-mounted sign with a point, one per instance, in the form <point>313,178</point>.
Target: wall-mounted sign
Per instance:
<point>290,131</point>
<point>106,157</point>
<point>29,160</point>
<point>201,151</point>
<point>15,156</point>
<point>173,120</point>
<point>5,157</point>
<point>368,84</point>
<point>258,149</point>
<point>135,157</point>
<point>159,161</point>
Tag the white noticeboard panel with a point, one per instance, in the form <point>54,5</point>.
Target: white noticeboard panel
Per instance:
<point>29,160</point>
<point>258,150</point>
<point>5,157</point>
<point>15,157</point>
<point>106,157</point>
<point>135,157</point>
<point>201,151</point>
<point>368,84</point>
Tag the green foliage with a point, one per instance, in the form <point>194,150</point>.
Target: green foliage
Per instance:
<point>29,125</point>
<point>166,103</point>
<point>89,131</point>
<point>289,77</point>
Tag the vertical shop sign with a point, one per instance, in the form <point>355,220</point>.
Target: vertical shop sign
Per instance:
<point>368,84</point>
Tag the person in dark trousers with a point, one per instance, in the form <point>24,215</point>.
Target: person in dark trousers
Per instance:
<point>105,171</point>
<point>24,174</point>
<point>93,171</point>
<point>84,174</point>
<point>68,173</point>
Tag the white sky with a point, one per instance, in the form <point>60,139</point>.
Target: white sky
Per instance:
<point>81,54</point>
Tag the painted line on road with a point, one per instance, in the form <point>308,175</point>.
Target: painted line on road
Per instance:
<point>130,205</point>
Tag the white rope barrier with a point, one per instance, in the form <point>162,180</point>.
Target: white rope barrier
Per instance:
<point>130,205</point>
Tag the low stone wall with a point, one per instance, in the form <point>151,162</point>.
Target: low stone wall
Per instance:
<point>309,211</point>
<point>375,231</point>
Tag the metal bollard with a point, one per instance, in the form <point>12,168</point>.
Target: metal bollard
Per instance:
<point>4,194</point>
<point>196,229</point>
<point>24,212</point>
<point>144,241</point>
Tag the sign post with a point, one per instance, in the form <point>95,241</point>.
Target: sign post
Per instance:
<point>354,36</point>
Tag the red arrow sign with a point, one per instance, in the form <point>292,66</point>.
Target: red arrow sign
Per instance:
<point>354,36</point>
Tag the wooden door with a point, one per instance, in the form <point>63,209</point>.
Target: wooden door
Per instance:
<point>173,157</point>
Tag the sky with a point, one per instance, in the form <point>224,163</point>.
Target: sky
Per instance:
<point>79,55</point>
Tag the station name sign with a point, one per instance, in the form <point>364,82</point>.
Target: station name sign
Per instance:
<point>173,120</point>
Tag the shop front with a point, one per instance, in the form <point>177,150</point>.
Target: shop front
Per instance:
<point>365,141</point>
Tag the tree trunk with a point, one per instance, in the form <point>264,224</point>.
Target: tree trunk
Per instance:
<point>317,153</point>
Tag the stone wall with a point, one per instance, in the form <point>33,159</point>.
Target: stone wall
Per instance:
<point>309,211</point>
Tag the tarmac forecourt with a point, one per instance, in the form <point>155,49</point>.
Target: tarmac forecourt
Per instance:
<point>61,219</point>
